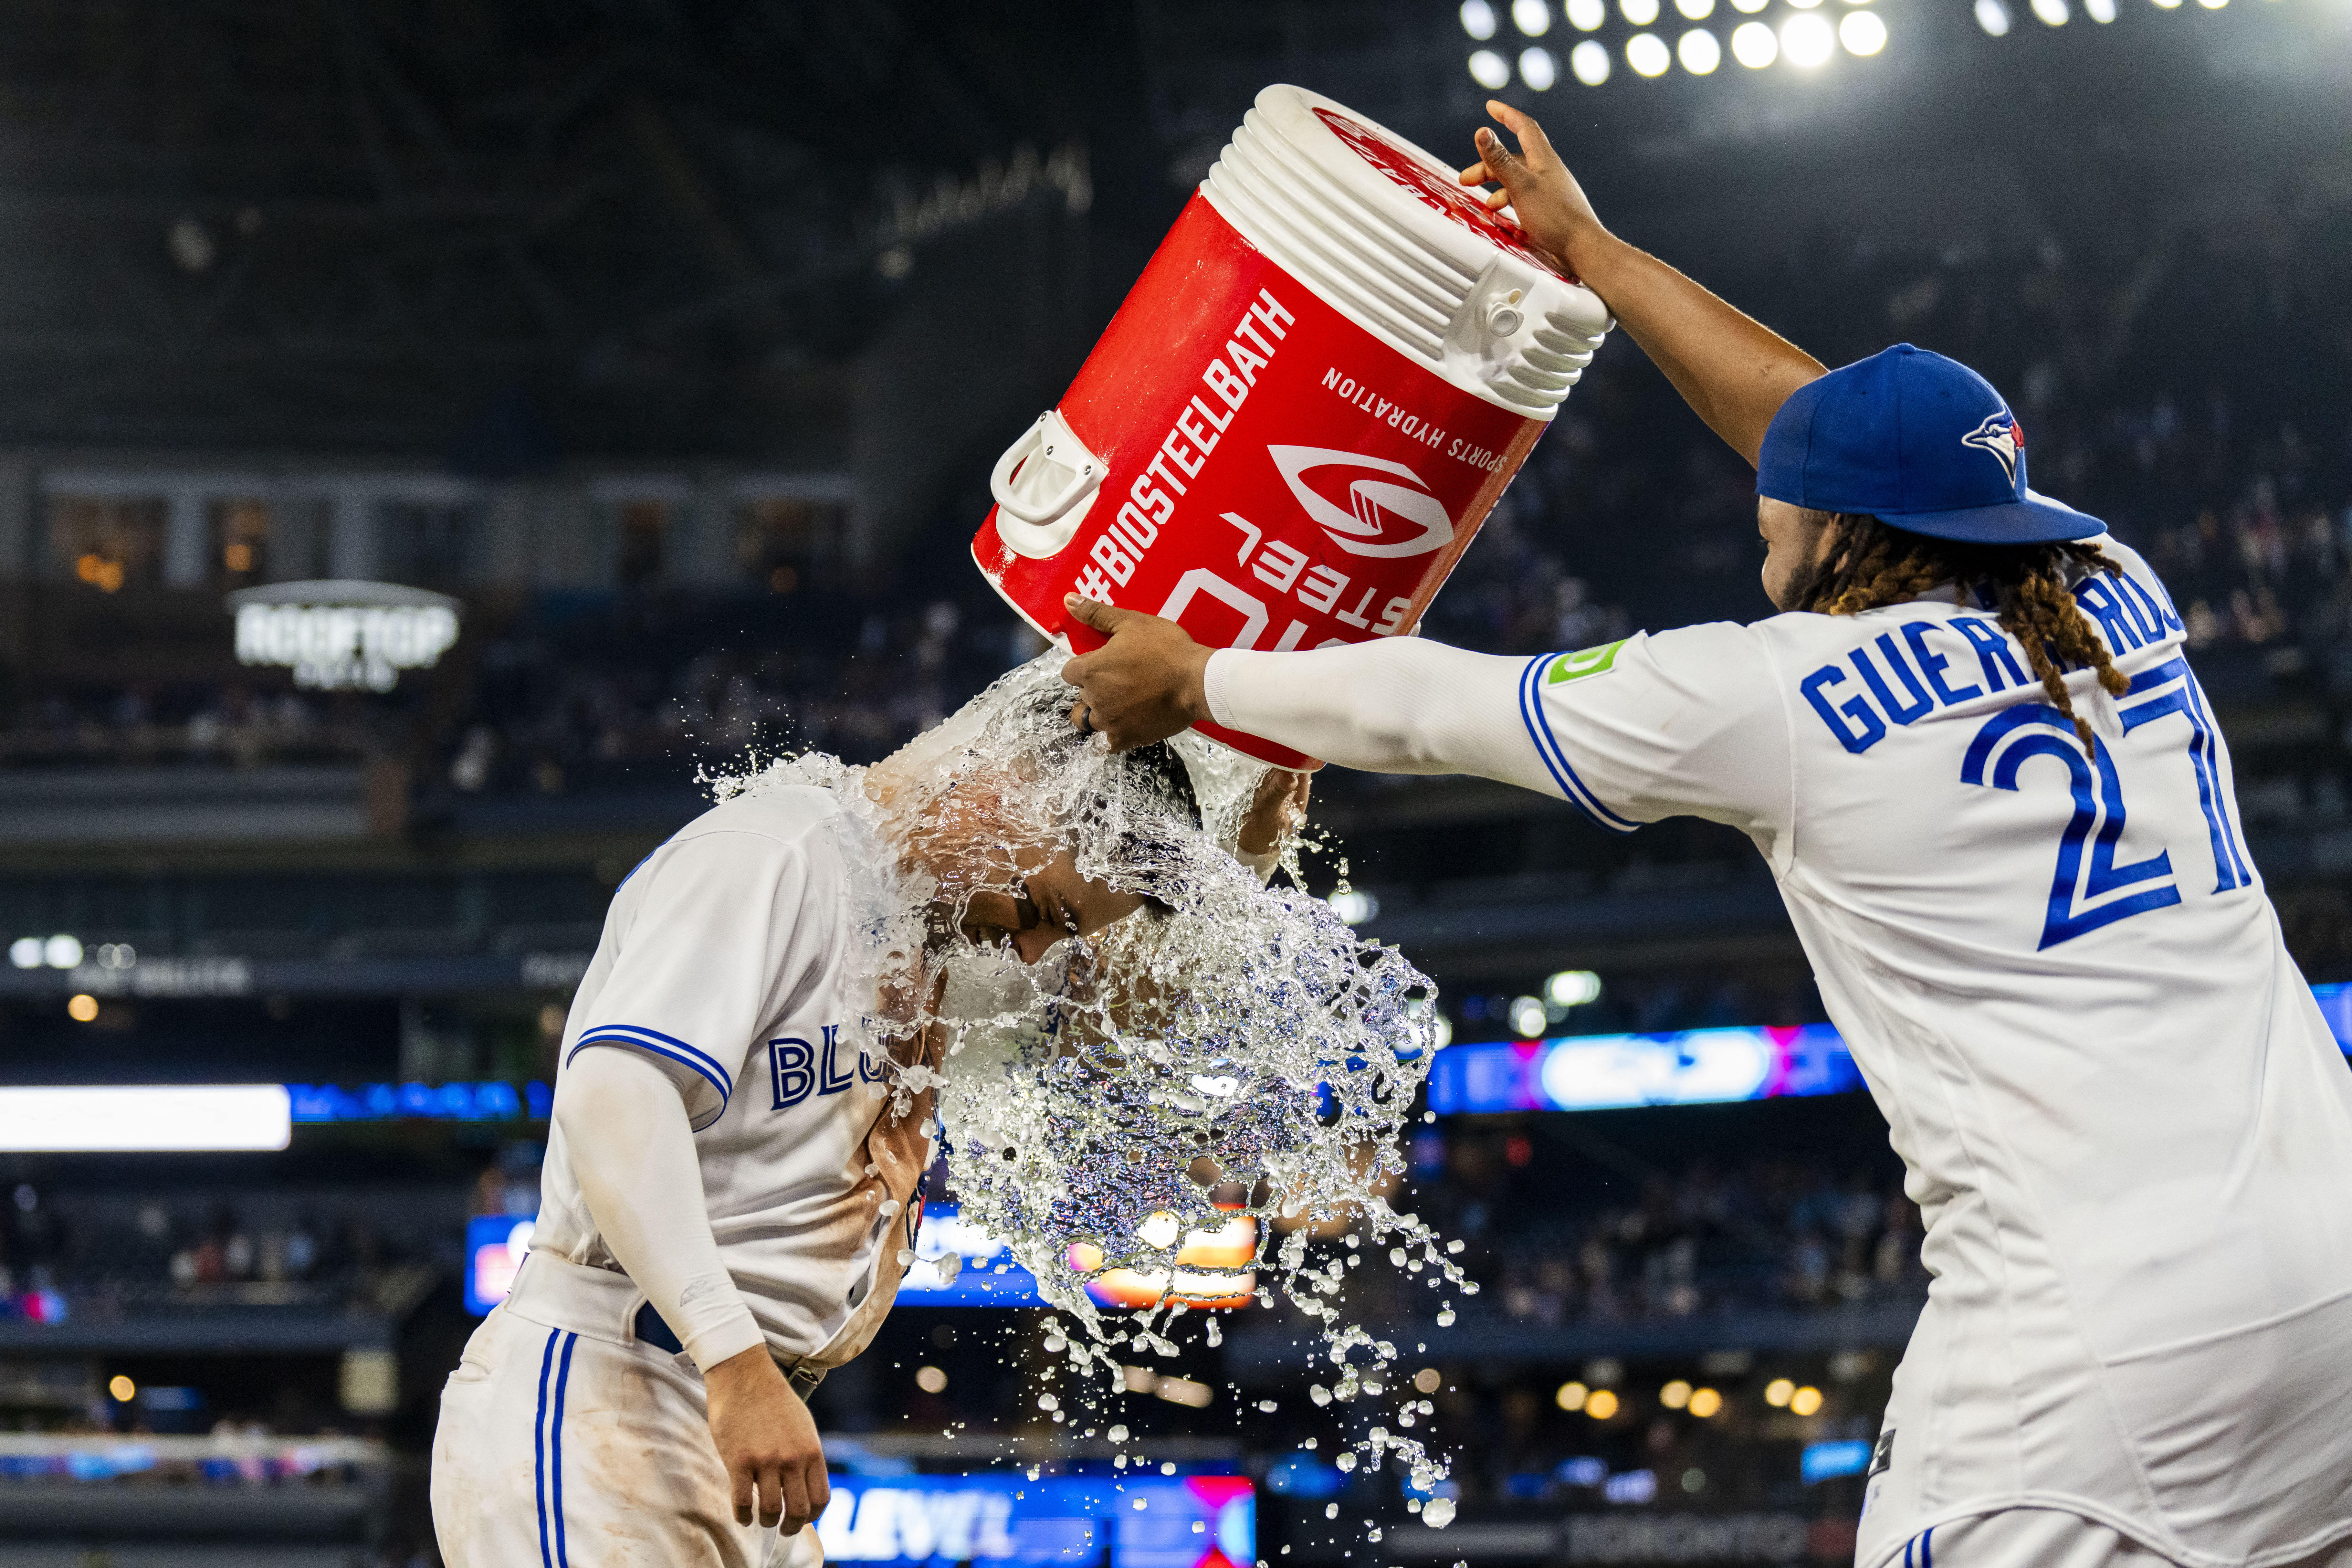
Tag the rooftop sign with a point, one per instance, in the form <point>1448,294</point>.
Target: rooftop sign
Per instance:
<point>343,635</point>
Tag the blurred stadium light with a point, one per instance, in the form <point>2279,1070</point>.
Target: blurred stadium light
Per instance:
<point>85,1120</point>
<point>1693,1066</point>
<point>1807,39</point>
<point>1603,1072</point>
<point>1838,1456</point>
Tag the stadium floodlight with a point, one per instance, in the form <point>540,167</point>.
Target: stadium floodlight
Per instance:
<point>1698,51</point>
<point>1589,61</point>
<point>1804,4</point>
<point>2050,13</point>
<point>1532,17</point>
<point>1354,905</point>
<point>2169,5</point>
<point>2100,11</point>
<point>1755,45</point>
<point>1490,71</point>
<point>1537,69</point>
<point>62,952</point>
<point>1993,17</point>
<point>1586,16</point>
<point>1573,988</point>
<point>1648,54</point>
<point>1861,33</point>
<point>1641,13</point>
<point>1528,1015</point>
<point>25,952</point>
<point>145,1118</point>
<point>1695,10</point>
<point>2212,5</point>
<point>1806,40</point>
<point>1750,7</point>
<point>1478,19</point>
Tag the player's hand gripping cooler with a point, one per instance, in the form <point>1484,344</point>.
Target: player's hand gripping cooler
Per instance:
<point>1310,400</point>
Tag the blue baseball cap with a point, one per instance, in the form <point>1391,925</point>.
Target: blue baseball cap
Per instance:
<point>1917,441</point>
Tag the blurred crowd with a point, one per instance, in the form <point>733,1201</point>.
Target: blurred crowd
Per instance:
<point>1553,1245</point>
<point>188,723</point>
<point>625,692</point>
<point>68,1255</point>
<point>2178,392</point>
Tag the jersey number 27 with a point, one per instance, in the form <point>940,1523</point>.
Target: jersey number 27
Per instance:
<point>2085,897</point>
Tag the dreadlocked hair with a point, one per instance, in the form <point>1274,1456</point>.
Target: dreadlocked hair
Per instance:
<point>1874,563</point>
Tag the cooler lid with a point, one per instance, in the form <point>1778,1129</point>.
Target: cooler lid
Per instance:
<point>1345,144</point>
<point>1381,165</point>
<point>1385,233</point>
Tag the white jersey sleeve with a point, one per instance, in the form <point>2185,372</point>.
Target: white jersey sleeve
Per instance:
<point>1679,723</point>
<point>1397,705</point>
<point>701,962</point>
<point>1682,723</point>
<point>637,1169</point>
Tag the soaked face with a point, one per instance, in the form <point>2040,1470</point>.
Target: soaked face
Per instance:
<point>1041,902</point>
<point>1000,887</point>
<point>1796,550</point>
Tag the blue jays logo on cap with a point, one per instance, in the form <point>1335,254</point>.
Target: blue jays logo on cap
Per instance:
<point>1902,435</point>
<point>2003,436</point>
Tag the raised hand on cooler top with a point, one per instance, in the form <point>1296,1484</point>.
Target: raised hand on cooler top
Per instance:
<point>1537,186</point>
<point>1733,370</point>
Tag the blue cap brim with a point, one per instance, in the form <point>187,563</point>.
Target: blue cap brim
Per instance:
<point>2036,520</point>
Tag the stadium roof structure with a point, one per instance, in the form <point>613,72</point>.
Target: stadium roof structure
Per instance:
<point>485,231</point>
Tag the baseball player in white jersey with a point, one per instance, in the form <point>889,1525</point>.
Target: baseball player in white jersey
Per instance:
<point>1998,807</point>
<point>732,1182</point>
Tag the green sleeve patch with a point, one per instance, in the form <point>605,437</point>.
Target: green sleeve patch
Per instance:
<point>1583,662</point>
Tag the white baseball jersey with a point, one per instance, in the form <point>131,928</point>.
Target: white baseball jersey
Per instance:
<point>2126,1124</point>
<point>723,959</point>
<point>2127,1127</point>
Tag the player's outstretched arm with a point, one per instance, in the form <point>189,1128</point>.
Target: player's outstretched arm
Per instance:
<point>1396,705</point>
<point>1734,371</point>
<point>625,1127</point>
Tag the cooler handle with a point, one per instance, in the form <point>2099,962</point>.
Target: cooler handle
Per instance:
<point>1050,440</point>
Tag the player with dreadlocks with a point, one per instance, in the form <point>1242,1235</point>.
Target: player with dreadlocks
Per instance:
<point>2125,1118</point>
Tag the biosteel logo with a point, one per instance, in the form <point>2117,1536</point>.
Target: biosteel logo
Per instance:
<point>1382,518</point>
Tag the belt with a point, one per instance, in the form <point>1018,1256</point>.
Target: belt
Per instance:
<point>606,1305</point>
<point>652,1331</point>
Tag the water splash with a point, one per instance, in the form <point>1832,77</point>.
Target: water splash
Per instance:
<point>1244,1053</point>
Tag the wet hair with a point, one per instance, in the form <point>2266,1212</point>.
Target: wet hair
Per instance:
<point>1145,795</point>
<point>1872,563</point>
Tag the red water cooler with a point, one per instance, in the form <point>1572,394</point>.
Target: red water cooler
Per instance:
<point>1307,406</point>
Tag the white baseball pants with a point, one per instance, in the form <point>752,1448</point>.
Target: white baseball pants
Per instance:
<point>2049,1538</point>
<point>565,1443</point>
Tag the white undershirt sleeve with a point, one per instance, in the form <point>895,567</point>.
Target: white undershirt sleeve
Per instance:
<point>1395,705</point>
<point>625,1127</point>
